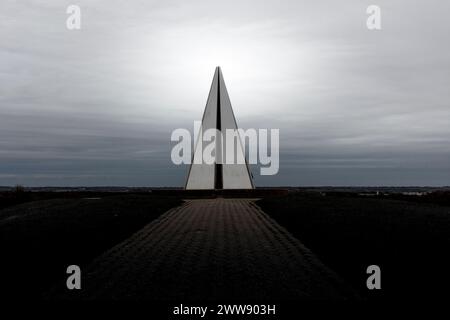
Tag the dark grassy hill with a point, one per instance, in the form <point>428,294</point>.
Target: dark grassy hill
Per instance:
<point>410,241</point>
<point>39,239</point>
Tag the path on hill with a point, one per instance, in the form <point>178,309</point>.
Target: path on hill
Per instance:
<point>209,250</point>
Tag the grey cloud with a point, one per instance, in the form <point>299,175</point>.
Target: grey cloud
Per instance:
<point>97,106</point>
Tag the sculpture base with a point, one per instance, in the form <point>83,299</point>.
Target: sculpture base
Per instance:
<point>225,193</point>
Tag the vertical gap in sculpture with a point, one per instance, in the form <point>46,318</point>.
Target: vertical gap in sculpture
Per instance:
<point>218,181</point>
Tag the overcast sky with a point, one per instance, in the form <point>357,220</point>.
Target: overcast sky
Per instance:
<point>97,106</point>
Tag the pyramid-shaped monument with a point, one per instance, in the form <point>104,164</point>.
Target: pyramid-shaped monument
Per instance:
<point>218,115</point>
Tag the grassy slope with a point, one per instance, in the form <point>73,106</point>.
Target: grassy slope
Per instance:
<point>409,241</point>
<point>38,240</point>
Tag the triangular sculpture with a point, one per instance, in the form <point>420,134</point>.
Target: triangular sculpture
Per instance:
<point>218,115</point>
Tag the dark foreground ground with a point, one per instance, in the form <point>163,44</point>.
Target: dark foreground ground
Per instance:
<point>206,251</point>
<point>408,237</point>
<point>41,237</point>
